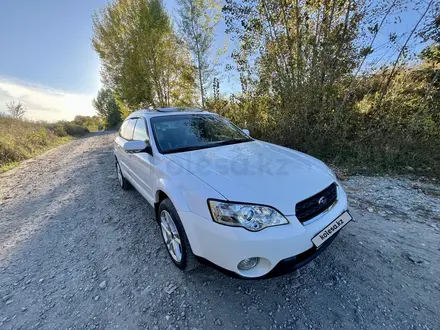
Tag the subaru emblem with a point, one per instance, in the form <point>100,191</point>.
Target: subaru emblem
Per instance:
<point>322,201</point>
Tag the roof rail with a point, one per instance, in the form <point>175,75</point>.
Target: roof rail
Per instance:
<point>179,109</point>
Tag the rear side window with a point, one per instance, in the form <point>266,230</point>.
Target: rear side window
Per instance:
<point>140,130</point>
<point>127,129</point>
<point>124,124</point>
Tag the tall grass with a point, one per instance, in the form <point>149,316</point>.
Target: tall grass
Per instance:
<point>22,139</point>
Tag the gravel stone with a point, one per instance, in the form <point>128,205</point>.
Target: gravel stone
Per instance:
<point>170,288</point>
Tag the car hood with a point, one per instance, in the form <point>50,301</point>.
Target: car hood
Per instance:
<point>258,172</point>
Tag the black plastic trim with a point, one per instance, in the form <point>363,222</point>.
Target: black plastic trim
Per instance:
<point>302,208</point>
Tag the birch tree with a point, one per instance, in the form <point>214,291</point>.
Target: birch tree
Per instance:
<point>197,22</point>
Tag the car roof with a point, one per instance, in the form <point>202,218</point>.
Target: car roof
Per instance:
<point>148,113</point>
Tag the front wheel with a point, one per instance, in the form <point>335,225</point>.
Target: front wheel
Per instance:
<point>123,182</point>
<point>174,237</point>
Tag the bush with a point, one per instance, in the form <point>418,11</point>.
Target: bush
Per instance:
<point>59,130</point>
<point>21,139</point>
<point>65,128</point>
<point>75,130</point>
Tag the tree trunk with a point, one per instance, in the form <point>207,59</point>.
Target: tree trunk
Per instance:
<point>199,65</point>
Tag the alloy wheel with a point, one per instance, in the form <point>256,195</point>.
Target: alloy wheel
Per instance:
<point>171,236</point>
<point>120,178</point>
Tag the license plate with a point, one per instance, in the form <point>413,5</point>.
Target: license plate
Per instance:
<point>332,229</point>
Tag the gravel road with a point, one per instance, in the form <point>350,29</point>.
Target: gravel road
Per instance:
<point>77,252</point>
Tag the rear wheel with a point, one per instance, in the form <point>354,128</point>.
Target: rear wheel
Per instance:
<point>123,182</point>
<point>174,237</point>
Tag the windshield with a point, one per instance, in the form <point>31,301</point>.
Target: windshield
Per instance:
<point>191,132</point>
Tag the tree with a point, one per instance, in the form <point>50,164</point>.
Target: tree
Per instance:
<point>295,52</point>
<point>142,61</point>
<point>16,109</point>
<point>198,19</point>
<point>107,108</point>
<point>92,123</point>
<point>431,32</point>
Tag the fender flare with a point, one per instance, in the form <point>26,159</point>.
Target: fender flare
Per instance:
<point>174,194</point>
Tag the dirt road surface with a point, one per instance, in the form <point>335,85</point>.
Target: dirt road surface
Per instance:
<point>77,252</point>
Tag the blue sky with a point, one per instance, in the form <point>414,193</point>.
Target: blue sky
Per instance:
<point>47,61</point>
<point>47,58</point>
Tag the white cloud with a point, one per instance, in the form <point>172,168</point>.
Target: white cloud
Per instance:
<point>43,103</point>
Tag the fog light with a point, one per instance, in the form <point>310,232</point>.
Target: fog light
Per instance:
<point>248,263</point>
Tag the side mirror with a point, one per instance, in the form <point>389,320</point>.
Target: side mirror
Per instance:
<point>246,131</point>
<point>135,146</point>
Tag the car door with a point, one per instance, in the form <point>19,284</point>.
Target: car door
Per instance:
<point>119,143</point>
<point>125,134</point>
<point>142,162</point>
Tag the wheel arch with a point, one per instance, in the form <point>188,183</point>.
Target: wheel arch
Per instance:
<point>174,195</point>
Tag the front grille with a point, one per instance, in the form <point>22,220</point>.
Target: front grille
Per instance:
<point>310,207</point>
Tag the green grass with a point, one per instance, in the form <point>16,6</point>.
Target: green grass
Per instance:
<point>9,166</point>
<point>22,139</point>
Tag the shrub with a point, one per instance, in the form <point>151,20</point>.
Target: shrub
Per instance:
<point>75,130</point>
<point>22,139</point>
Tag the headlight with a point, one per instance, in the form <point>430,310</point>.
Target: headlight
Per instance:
<point>251,217</point>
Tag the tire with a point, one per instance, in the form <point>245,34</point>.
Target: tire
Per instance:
<point>172,233</point>
<point>123,182</point>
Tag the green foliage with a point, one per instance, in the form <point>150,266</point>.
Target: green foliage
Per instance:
<point>123,108</point>
<point>295,51</point>
<point>22,139</point>
<point>142,60</point>
<point>198,19</point>
<point>68,128</point>
<point>107,108</point>
<point>305,68</point>
<point>431,53</point>
<point>298,63</point>
<point>92,124</point>
<point>404,133</point>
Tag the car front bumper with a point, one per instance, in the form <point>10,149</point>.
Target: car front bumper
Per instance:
<point>285,266</point>
<point>280,248</point>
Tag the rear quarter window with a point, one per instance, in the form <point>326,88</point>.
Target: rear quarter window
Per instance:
<point>124,124</point>
<point>140,130</point>
<point>127,129</point>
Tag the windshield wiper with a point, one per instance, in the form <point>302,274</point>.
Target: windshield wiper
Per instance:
<point>185,149</point>
<point>217,144</point>
<point>233,141</point>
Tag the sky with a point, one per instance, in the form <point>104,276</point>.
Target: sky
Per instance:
<point>47,61</point>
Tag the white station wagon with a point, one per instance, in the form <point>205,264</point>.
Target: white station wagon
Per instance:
<point>250,208</point>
